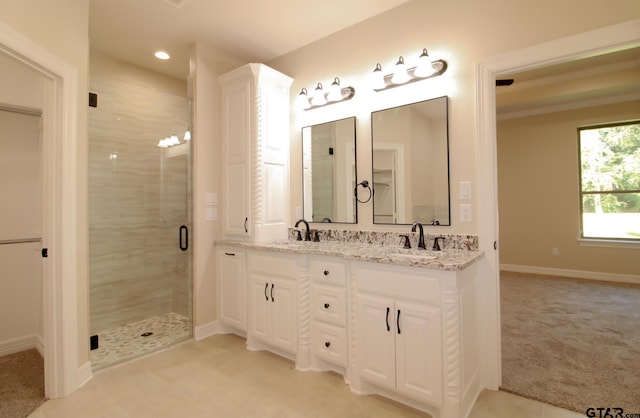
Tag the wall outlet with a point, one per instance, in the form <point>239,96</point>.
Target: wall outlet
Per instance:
<point>465,212</point>
<point>555,251</point>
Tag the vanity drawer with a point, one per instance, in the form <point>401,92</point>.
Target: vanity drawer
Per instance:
<point>324,271</point>
<point>329,304</point>
<point>329,343</point>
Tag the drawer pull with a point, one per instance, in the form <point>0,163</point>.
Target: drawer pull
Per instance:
<point>398,321</point>
<point>327,344</point>
<point>266,286</point>
<point>326,306</point>
<point>326,272</point>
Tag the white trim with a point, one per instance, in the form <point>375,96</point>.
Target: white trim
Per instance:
<point>611,38</point>
<point>603,243</point>
<point>578,274</point>
<point>207,330</point>
<point>85,374</point>
<point>60,298</point>
<point>15,345</point>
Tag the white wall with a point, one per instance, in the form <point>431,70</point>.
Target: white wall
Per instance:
<point>463,33</point>
<point>206,66</point>
<point>21,209</point>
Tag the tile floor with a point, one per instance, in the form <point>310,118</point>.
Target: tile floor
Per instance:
<point>126,342</point>
<point>219,377</point>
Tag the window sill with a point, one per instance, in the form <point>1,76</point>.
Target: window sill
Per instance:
<point>605,243</point>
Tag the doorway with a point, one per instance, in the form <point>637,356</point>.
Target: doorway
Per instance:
<point>594,42</point>
<point>58,83</point>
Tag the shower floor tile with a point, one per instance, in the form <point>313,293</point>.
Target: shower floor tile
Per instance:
<point>126,342</point>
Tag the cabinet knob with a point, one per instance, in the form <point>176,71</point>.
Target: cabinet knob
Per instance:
<point>326,306</point>
<point>327,344</point>
<point>326,272</point>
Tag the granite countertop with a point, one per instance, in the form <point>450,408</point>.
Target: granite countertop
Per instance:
<point>452,260</point>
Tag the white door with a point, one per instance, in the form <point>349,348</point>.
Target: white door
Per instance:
<point>376,340</point>
<point>236,126</point>
<point>232,289</point>
<point>284,314</point>
<point>260,307</point>
<point>418,352</point>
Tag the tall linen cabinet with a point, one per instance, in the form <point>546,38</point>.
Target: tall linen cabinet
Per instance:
<point>255,153</point>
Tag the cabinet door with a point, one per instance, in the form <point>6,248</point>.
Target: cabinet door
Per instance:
<point>232,299</point>
<point>375,328</point>
<point>236,148</point>
<point>284,323</point>
<point>259,307</point>
<point>418,352</point>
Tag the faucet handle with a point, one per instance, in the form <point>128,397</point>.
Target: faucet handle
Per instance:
<point>299,236</point>
<point>407,243</point>
<point>438,245</point>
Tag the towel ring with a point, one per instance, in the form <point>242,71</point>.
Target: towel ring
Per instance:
<point>364,184</point>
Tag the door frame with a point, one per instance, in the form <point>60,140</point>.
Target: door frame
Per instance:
<point>596,42</point>
<point>60,275</point>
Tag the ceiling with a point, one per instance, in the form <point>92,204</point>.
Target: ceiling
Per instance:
<point>606,78</point>
<point>250,30</point>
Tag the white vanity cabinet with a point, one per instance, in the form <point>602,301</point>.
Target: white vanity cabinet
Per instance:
<point>329,308</point>
<point>255,153</point>
<point>232,289</point>
<point>273,302</point>
<point>415,336</point>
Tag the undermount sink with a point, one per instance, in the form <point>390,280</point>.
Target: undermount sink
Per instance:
<point>414,254</point>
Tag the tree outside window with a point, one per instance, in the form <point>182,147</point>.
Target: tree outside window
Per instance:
<point>610,181</point>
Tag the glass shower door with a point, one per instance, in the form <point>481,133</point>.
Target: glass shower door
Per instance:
<point>139,221</point>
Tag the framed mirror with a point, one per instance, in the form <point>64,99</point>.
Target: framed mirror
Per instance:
<point>329,171</point>
<point>410,153</point>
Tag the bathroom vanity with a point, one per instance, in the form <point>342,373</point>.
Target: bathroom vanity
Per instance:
<point>400,323</point>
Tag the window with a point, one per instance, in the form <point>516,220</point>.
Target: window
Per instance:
<point>610,181</point>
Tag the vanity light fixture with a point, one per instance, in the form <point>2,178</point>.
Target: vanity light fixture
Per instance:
<point>403,75</point>
<point>320,97</point>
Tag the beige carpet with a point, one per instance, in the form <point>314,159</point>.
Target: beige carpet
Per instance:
<point>571,343</point>
<point>21,383</point>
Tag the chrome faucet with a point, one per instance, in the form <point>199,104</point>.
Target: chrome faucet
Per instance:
<point>421,236</point>
<point>307,235</point>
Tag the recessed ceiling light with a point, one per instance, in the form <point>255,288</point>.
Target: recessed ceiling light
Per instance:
<point>161,55</point>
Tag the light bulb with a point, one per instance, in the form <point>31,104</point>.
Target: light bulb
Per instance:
<point>335,92</point>
<point>400,74</point>
<point>318,98</point>
<point>303,100</point>
<point>377,78</point>
<point>424,68</point>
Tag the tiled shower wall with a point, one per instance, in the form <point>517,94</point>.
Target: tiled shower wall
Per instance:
<point>139,196</point>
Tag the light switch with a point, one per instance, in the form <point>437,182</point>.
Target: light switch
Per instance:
<point>465,212</point>
<point>465,190</point>
<point>210,199</point>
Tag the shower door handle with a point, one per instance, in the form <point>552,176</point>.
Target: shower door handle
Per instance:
<point>184,238</point>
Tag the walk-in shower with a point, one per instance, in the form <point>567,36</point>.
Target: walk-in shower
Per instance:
<point>139,220</point>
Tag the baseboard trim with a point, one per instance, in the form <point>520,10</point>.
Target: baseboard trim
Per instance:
<point>15,345</point>
<point>207,330</point>
<point>84,374</point>
<point>578,274</point>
